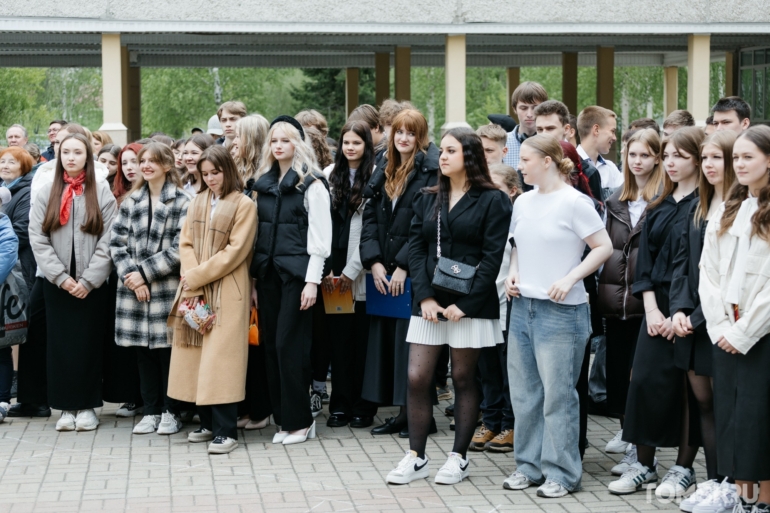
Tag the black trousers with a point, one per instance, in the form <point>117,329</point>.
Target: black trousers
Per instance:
<point>321,351</point>
<point>257,403</point>
<point>350,338</point>
<point>582,390</point>
<point>32,375</point>
<point>153,367</point>
<point>222,419</point>
<point>493,371</point>
<point>286,332</point>
<point>621,346</point>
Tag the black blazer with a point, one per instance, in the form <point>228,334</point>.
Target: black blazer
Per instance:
<point>473,232</point>
<point>385,231</point>
<point>686,274</point>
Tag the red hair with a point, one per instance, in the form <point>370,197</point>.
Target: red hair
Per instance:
<point>121,186</point>
<point>25,160</point>
<point>579,179</point>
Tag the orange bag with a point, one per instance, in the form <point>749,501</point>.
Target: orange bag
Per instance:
<point>254,328</point>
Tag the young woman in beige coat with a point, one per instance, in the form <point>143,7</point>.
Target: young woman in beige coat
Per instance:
<point>215,251</point>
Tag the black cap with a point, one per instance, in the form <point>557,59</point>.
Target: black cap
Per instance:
<point>504,120</point>
<point>290,120</point>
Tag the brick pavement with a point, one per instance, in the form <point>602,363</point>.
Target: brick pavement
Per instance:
<point>112,470</point>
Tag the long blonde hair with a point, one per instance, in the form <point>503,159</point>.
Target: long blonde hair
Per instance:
<point>724,140</point>
<point>630,192</point>
<point>252,133</point>
<point>396,172</point>
<point>304,162</point>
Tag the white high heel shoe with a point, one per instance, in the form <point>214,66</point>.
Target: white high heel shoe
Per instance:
<point>298,439</point>
<point>280,436</point>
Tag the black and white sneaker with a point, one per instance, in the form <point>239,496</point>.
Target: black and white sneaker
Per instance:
<point>222,445</point>
<point>454,470</point>
<point>316,403</point>
<point>128,410</point>
<point>634,479</point>
<point>410,468</point>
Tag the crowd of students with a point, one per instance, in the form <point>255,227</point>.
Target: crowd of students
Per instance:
<point>512,247</point>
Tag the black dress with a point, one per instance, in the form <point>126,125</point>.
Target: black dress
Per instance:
<point>121,371</point>
<point>693,352</point>
<point>655,394</point>
<point>385,240</point>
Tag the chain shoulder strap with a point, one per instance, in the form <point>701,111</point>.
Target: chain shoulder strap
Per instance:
<point>438,235</point>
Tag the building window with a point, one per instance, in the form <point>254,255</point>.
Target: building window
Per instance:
<point>754,81</point>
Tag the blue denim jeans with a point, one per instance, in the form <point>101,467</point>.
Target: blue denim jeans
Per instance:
<point>546,345</point>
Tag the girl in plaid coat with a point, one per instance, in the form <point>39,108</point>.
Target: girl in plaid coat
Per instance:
<point>145,249</point>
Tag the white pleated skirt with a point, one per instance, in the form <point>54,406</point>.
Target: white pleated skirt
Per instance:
<point>463,334</point>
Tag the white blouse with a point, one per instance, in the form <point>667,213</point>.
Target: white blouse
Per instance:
<point>319,234</point>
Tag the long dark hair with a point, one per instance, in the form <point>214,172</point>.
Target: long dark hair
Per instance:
<point>759,135</point>
<point>93,224</point>
<point>340,175</point>
<point>476,169</point>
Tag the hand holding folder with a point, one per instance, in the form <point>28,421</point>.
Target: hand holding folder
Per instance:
<point>336,302</point>
<point>386,305</point>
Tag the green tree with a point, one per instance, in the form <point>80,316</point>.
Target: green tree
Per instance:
<point>324,91</point>
<point>174,100</point>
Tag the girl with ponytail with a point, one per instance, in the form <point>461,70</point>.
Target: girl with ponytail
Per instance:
<point>549,322</point>
<point>734,291</point>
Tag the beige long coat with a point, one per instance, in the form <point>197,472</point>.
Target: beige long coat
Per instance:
<point>215,372</point>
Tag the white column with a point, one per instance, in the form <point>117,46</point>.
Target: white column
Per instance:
<point>698,70</point>
<point>454,71</point>
<point>114,88</point>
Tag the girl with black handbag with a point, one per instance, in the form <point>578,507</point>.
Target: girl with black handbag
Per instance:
<point>466,215</point>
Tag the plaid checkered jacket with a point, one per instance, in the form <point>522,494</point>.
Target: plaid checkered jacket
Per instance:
<point>155,254</point>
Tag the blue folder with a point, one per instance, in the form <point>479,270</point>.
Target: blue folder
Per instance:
<point>385,305</point>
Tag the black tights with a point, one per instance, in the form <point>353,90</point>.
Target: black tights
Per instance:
<point>686,455</point>
<point>702,389</point>
<point>422,365</point>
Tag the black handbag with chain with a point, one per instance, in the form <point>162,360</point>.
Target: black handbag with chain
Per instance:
<point>450,275</point>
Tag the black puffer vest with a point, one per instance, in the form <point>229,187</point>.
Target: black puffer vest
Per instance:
<point>283,225</point>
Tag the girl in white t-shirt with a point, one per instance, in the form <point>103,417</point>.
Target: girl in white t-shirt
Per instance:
<point>549,322</point>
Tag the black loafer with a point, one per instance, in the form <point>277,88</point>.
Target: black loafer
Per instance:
<point>389,428</point>
<point>29,410</point>
<point>361,422</point>
<point>404,433</point>
<point>450,410</point>
<point>337,420</point>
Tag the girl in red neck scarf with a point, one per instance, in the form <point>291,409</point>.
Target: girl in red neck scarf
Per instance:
<point>69,231</point>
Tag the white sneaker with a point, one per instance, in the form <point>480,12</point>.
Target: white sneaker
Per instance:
<point>722,499</point>
<point>409,469</point>
<point>677,482</point>
<point>517,481</point>
<point>169,424</point>
<point>86,420</point>
<point>701,492</point>
<point>617,445</point>
<point>454,470</point>
<point>4,407</point>
<point>551,490</point>
<point>66,422</point>
<point>147,425</point>
<point>629,459</point>
<point>634,479</point>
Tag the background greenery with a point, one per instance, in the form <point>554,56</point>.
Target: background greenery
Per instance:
<point>174,100</point>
